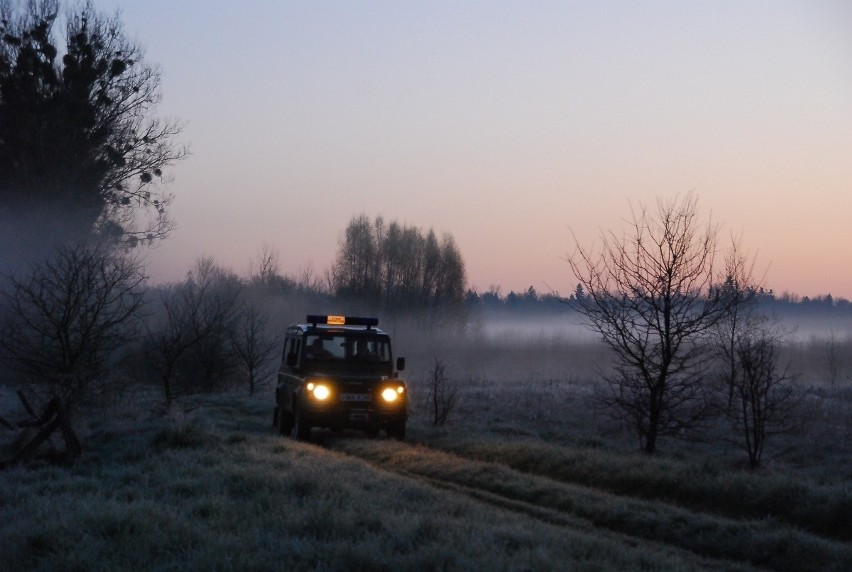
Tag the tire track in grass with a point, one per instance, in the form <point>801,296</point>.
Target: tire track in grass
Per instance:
<point>821,510</point>
<point>559,518</point>
<point>547,515</point>
<point>763,543</point>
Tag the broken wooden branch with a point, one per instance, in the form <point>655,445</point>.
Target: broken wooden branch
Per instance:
<point>26,403</point>
<point>54,417</point>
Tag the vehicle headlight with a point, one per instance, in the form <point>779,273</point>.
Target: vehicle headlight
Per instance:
<point>391,394</point>
<point>320,391</point>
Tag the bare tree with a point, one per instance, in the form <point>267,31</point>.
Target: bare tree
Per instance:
<point>757,394</point>
<point>764,400</point>
<point>65,321</point>
<point>168,342</point>
<point>442,394</point>
<point>310,281</point>
<point>739,294</point>
<point>264,269</point>
<point>210,362</point>
<point>252,344</point>
<point>194,340</point>
<point>648,296</point>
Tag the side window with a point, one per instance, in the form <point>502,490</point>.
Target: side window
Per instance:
<point>381,350</point>
<point>291,345</point>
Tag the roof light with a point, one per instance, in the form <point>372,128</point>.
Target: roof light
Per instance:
<point>342,320</point>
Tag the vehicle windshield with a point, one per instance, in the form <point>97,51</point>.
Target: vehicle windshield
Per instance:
<point>347,347</point>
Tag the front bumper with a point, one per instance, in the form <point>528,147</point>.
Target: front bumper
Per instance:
<point>353,416</point>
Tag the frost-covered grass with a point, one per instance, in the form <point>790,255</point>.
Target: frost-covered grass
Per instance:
<point>707,487</point>
<point>214,489</point>
<point>735,535</point>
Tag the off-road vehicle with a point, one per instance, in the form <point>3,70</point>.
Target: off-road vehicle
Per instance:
<point>338,372</point>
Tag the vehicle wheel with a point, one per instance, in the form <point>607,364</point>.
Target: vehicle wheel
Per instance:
<point>397,430</point>
<point>284,421</point>
<point>300,428</point>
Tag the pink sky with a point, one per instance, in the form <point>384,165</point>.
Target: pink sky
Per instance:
<point>507,125</point>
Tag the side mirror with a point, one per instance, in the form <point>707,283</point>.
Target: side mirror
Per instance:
<point>400,363</point>
<point>291,359</point>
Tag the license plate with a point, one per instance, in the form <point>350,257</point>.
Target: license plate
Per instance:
<point>356,397</point>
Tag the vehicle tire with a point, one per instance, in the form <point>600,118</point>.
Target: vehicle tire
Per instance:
<point>299,427</point>
<point>284,421</point>
<point>275,411</point>
<point>396,430</point>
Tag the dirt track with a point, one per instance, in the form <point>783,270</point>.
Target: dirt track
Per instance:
<point>758,543</point>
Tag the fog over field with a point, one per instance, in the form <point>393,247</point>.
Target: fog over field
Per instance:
<point>565,326</point>
<point>571,328</point>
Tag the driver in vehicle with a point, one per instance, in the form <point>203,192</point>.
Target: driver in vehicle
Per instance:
<point>317,351</point>
<point>362,350</point>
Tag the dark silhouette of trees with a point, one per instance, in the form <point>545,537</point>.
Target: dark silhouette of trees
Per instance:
<point>648,296</point>
<point>579,294</point>
<point>78,135</point>
<point>64,322</point>
<point>783,305</point>
<point>398,267</point>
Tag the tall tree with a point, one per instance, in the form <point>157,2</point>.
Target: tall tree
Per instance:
<point>78,134</point>
<point>649,296</point>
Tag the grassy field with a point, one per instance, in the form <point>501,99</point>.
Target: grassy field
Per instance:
<point>525,477</point>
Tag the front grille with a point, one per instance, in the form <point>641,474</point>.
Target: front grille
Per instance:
<point>356,397</point>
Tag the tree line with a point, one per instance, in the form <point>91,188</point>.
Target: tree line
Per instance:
<point>398,267</point>
<point>533,300</point>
